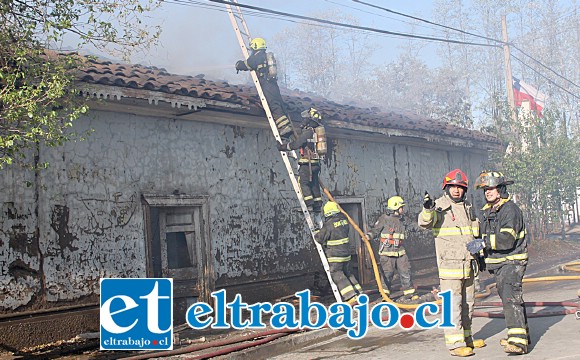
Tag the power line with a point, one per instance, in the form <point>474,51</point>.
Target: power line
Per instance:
<point>543,76</point>
<point>383,16</point>
<point>259,11</point>
<point>429,22</point>
<point>270,11</point>
<point>545,66</point>
<point>257,14</point>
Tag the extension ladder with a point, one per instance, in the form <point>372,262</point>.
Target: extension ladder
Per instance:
<point>243,35</point>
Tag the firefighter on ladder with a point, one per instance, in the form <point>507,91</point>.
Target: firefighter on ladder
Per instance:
<point>391,230</point>
<point>453,223</point>
<point>506,255</point>
<point>265,66</point>
<point>333,236</point>
<point>312,145</point>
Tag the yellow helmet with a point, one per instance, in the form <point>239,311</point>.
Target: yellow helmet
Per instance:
<point>257,44</point>
<point>330,208</point>
<point>395,202</point>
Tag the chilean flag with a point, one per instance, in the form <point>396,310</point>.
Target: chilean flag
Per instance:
<point>525,92</point>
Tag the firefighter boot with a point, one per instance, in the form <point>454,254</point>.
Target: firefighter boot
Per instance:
<point>515,349</point>
<point>462,351</point>
<point>476,343</point>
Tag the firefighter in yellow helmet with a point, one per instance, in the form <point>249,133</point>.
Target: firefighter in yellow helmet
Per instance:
<point>390,230</point>
<point>506,255</point>
<point>453,223</point>
<point>265,66</point>
<point>333,236</point>
<point>309,164</point>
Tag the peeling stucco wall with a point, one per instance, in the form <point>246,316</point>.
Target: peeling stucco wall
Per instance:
<point>82,219</point>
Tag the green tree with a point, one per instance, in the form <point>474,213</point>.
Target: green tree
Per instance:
<point>37,100</point>
<point>543,160</point>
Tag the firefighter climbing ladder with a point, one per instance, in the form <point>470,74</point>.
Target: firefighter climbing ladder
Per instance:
<point>243,35</point>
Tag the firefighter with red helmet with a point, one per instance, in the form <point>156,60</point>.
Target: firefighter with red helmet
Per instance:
<point>453,223</point>
<point>506,255</point>
<point>264,64</point>
<point>391,231</point>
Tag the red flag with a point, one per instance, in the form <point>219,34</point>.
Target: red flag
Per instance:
<point>525,92</point>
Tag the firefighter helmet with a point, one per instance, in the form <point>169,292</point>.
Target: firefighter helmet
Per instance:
<point>455,177</point>
<point>312,114</point>
<point>490,179</point>
<point>257,44</point>
<point>395,202</point>
<point>331,208</point>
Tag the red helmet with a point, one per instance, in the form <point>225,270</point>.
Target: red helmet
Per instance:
<point>455,177</point>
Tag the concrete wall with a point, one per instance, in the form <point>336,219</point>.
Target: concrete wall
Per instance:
<point>82,219</point>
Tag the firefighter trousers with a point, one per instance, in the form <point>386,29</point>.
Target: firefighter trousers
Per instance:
<point>509,287</point>
<point>277,107</point>
<point>463,293</point>
<point>345,281</point>
<point>308,179</point>
<point>401,264</point>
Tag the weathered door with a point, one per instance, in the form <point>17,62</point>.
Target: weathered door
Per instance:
<point>361,265</point>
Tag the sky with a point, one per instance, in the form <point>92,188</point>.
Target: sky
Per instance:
<point>199,38</point>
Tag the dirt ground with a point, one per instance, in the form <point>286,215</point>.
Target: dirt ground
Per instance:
<point>543,254</point>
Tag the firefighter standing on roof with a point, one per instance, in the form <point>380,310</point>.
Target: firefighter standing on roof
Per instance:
<point>454,224</point>
<point>391,230</point>
<point>265,66</point>
<point>333,236</point>
<point>506,255</point>
<point>312,144</point>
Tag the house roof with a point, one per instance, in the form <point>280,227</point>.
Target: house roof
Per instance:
<point>159,80</point>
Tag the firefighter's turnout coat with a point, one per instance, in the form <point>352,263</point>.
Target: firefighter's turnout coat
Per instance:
<point>334,238</point>
<point>391,232</point>
<point>453,226</point>
<point>504,232</point>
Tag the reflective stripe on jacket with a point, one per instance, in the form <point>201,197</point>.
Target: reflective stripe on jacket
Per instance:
<point>334,238</point>
<point>453,225</point>
<point>391,230</point>
<point>504,232</point>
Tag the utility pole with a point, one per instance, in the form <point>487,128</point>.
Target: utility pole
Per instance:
<point>508,70</point>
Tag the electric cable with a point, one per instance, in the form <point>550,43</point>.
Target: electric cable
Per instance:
<point>430,22</point>
<point>544,66</point>
<point>339,24</point>
<point>545,77</point>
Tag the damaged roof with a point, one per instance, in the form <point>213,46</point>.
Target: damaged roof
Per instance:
<point>159,80</point>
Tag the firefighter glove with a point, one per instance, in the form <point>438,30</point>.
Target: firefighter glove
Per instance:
<point>474,246</point>
<point>428,202</point>
<point>283,147</point>
<point>240,65</point>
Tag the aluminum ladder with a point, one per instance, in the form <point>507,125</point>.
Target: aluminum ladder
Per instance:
<point>243,35</point>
